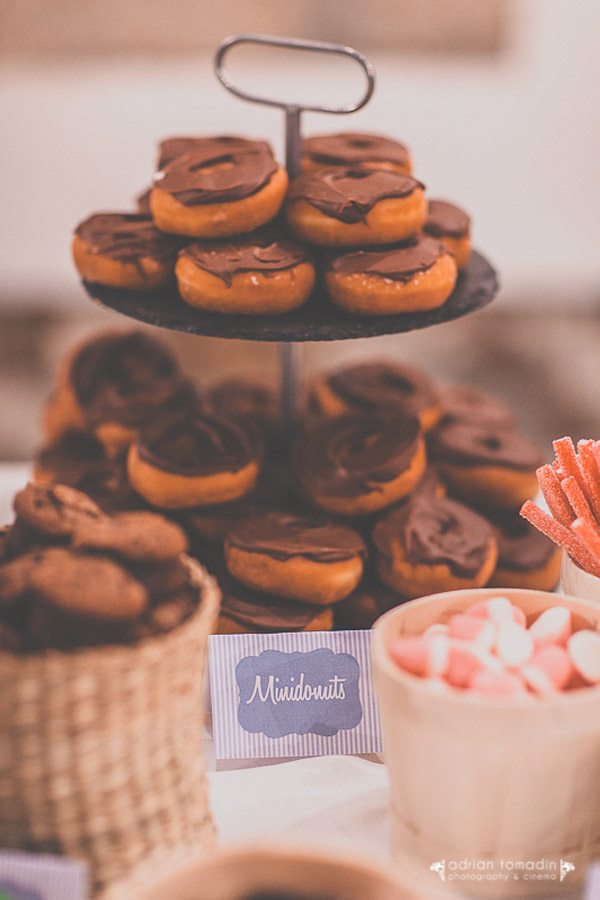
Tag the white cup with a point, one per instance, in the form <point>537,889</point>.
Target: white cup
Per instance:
<point>575,582</point>
<point>488,780</point>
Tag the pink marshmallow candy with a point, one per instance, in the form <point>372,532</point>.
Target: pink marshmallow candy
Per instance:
<point>583,648</point>
<point>553,626</point>
<point>425,656</point>
<point>472,628</point>
<point>498,610</point>
<point>549,671</point>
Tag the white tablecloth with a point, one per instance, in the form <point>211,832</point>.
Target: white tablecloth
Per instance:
<point>325,801</point>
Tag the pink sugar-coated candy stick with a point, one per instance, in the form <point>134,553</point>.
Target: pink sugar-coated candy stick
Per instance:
<point>472,628</point>
<point>554,495</point>
<point>588,534</point>
<point>498,684</point>
<point>514,645</point>
<point>553,626</point>
<point>578,500</point>
<point>422,656</point>
<point>591,473</point>
<point>569,464</point>
<point>499,610</point>
<point>464,659</point>
<point>549,671</point>
<point>562,536</point>
<point>584,649</point>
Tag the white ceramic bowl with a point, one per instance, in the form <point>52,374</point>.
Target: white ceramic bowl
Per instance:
<point>576,582</point>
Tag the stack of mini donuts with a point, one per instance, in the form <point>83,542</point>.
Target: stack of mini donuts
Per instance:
<point>393,487</point>
<point>222,220</point>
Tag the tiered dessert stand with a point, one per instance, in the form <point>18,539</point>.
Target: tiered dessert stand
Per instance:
<point>318,319</point>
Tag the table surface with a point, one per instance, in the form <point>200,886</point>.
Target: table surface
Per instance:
<point>337,801</point>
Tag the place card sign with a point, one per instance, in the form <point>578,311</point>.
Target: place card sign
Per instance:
<point>296,694</point>
<point>32,876</point>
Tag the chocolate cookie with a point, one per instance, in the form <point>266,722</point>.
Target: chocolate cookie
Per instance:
<point>135,536</point>
<point>77,583</point>
<point>54,509</point>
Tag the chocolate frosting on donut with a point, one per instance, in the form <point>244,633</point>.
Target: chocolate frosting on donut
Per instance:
<point>171,148</point>
<point>214,172</point>
<point>127,237</point>
<point>127,376</point>
<point>349,148</point>
<point>466,444</point>
<point>433,530</point>
<point>384,385</point>
<point>258,611</point>
<point>349,193</point>
<point>396,263</point>
<point>521,546</point>
<point>202,445</point>
<point>349,455</point>
<point>256,253</point>
<point>465,403</point>
<point>282,536</point>
<point>446,220</point>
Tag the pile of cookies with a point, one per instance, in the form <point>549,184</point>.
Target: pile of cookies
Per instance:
<point>72,576</point>
<point>392,487</point>
<point>222,219</point>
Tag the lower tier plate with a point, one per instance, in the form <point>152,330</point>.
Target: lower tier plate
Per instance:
<point>317,320</point>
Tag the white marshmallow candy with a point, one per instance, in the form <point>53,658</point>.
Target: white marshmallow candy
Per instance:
<point>584,649</point>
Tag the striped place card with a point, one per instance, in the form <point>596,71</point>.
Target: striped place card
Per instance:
<point>305,693</point>
<point>31,876</point>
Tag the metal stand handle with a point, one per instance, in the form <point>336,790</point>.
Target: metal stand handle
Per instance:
<point>290,354</point>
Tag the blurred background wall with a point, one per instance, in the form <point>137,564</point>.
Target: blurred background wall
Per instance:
<point>497,100</point>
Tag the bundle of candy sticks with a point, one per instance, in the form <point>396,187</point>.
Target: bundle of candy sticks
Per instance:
<point>571,488</point>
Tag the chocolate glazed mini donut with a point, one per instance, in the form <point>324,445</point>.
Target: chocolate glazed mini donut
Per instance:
<point>428,544</point>
<point>246,611</point>
<point>355,149</point>
<point>378,385</point>
<point>123,250</point>
<point>357,464</point>
<point>346,207</point>
<point>410,278</point>
<point>194,462</point>
<point>218,188</point>
<point>526,558</point>
<point>485,464</point>
<point>258,274</point>
<point>301,558</point>
<point>115,385</point>
<point>452,226</point>
<point>465,403</point>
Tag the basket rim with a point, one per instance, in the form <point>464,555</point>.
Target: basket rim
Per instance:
<point>208,607</point>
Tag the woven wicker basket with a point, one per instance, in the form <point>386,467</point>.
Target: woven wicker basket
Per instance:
<point>101,749</point>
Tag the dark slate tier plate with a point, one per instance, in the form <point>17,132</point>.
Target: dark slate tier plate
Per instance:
<point>317,320</point>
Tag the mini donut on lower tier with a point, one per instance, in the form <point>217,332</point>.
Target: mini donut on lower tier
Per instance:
<point>465,403</point>
<point>487,465</point>
<point>356,464</point>
<point>365,605</point>
<point>452,226</point>
<point>428,545</point>
<point>526,558</point>
<point>246,611</point>
<point>123,250</point>
<point>198,461</point>
<point>217,188</point>
<point>355,206</point>
<point>257,274</point>
<point>378,385</point>
<point>408,278</point>
<point>303,558</point>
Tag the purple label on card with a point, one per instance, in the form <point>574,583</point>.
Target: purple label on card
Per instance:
<point>31,876</point>
<point>300,694</point>
<point>297,693</point>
